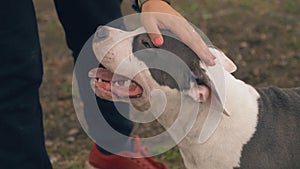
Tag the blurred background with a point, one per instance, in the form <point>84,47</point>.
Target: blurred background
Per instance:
<point>261,37</point>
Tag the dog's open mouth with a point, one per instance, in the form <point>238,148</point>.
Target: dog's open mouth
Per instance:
<point>118,85</point>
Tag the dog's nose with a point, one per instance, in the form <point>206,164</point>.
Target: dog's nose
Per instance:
<point>101,33</point>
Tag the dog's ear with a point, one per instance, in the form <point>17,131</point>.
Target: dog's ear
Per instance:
<point>227,63</point>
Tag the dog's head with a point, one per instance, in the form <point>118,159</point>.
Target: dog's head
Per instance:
<point>171,78</point>
<point>132,67</point>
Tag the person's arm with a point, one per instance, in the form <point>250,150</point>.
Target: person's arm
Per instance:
<point>176,23</point>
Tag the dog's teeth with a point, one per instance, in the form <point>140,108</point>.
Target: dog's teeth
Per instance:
<point>127,83</point>
<point>99,80</point>
<point>133,84</point>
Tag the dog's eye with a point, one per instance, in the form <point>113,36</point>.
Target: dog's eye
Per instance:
<point>146,44</point>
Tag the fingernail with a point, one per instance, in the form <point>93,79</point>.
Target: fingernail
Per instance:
<point>158,41</point>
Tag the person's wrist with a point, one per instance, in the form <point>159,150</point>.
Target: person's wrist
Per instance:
<point>143,2</point>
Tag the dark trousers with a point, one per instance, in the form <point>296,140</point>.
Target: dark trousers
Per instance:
<point>80,19</point>
<point>21,128</point>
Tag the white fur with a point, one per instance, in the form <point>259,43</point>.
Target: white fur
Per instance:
<point>223,149</point>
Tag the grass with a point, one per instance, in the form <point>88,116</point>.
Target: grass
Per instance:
<point>228,23</point>
<point>291,6</point>
<point>65,91</point>
<point>295,42</point>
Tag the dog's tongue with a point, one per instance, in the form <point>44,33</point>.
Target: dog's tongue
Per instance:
<point>115,83</point>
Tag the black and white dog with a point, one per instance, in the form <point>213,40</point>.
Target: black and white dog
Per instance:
<point>260,128</point>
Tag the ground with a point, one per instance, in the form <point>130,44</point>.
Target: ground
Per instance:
<point>261,37</point>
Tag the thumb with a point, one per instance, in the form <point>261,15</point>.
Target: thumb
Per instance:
<point>154,33</point>
<point>156,39</point>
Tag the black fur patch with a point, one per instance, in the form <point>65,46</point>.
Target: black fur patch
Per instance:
<point>276,143</point>
<point>181,76</point>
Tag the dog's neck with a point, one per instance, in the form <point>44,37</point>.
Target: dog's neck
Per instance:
<point>239,96</point>
<point>242,107</point>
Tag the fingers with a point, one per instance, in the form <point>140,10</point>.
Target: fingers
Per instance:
<point>192,39</point>
<point>157,39</point>
<point>153,31</point>
<point>163,16</point>
<point>185,32</point>
<point>151,23</point>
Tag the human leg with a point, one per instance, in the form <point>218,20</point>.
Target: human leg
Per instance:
<point>80,20</point>
<point>21,127</point>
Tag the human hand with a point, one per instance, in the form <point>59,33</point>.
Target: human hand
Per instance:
<point>178,25</point>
